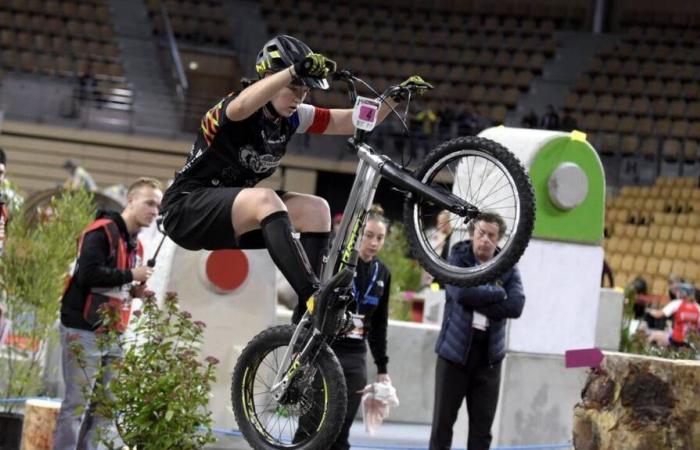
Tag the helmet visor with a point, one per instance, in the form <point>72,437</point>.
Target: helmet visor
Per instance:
<point>315,83</point>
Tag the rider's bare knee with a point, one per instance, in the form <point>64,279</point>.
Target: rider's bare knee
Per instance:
<point>263,201</point>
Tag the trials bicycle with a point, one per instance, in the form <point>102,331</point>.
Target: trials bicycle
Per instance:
<point>288,389</point>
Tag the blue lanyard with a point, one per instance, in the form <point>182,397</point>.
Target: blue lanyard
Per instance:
<point>372,282</point>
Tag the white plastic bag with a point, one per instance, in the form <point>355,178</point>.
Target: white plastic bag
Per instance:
<point>377,400</point>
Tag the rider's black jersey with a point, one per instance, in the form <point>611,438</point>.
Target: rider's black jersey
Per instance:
<point>241,153</point>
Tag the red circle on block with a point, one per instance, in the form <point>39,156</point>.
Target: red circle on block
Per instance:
<point>227,269</point>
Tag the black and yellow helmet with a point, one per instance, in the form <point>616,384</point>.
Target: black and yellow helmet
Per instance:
<point>281,52</point>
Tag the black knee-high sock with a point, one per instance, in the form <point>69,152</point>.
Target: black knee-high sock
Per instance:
<point>316,247</point>
<point>288,254</point>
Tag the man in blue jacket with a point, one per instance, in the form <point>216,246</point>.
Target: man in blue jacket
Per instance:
<point>472,340</point>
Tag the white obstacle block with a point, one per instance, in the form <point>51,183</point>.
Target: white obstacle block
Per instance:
<point>235,303</point>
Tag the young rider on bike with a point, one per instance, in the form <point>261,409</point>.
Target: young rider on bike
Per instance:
<point>213,202</point>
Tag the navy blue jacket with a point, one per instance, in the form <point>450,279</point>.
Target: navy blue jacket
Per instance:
<point>499,300</point>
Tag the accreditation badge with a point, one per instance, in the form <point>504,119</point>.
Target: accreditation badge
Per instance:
<point>358,330</point>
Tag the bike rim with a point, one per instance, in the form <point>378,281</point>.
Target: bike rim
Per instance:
<point>494,192</point>
<point>278,423</point>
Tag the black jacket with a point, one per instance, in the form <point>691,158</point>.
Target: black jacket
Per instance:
<point>96,267</point>
<point>498,301</point>
<point>372,301</point>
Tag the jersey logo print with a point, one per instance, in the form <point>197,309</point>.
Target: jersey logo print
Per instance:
<point>210,122</point>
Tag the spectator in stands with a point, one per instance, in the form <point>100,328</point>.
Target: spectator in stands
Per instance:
<point>550,120</point>
<point>214,202</point>
<point>568,122</point>
<point>87,86</point>
<point>370,315</point>
<point>530,120</point>
<point>427,117</point>
<point>110,259</point>
<point>607,273</point>
<point>471,343</point>
<point>78,178</point>
<point>686,317</point>
<point>446,116</point>
<point>466,121</point>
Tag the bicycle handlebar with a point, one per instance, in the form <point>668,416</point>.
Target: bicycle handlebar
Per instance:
<point>349,78</point>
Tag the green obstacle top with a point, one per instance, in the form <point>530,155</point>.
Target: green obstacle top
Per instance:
<point>569,185</point>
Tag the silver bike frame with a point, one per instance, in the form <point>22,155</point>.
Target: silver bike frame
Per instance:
<point>347,240</point>
<point>360,200</point>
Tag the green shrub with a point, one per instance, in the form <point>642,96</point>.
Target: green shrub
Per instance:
<point>33,269</point>
<point>159,394</point>
<point>405,272</point>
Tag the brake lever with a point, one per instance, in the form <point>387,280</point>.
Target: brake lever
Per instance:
<point>343,75</point>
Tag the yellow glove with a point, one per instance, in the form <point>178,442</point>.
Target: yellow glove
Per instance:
<point>314,65</point>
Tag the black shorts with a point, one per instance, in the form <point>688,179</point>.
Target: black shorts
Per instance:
<point>201,219</point>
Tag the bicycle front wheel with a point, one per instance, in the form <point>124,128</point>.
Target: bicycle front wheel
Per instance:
<point>310,413</point>
<point>489,177</point>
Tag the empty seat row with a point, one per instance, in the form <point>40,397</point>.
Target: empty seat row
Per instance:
<point>624,104</point>
<point>676,86</point>
<point>642,126</point>
<point>652,266</point>
<point>59,27</point>
<point>49,64</point>
<point>344,30</point>
<point>455,19</point>
<point>657,217</point>
<point>43,43</point>
<point>84,10</point>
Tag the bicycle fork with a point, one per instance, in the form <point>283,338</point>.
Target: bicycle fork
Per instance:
<point>289,368</point>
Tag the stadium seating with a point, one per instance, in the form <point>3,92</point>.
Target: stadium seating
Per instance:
<point>484,61</point>
<point>654,232</point>
<point>201,23</point>
<point>650,74</point>
<point>64,39</point>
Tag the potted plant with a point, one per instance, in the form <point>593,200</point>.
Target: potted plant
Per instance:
<point>405,272</point>
<point>32,272</point>
<point>160,389</point>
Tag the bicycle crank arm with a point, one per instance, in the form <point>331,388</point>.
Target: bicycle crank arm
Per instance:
<point>445,200</point>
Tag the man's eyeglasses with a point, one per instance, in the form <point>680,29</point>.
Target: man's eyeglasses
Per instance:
<point>480,233</point>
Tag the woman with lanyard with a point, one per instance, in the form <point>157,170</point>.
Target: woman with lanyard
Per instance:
<point>370,313</point>
<point>371,289</point>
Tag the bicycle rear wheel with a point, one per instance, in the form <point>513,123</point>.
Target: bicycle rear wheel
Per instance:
<point>489,177</point>
<point>310,413</point>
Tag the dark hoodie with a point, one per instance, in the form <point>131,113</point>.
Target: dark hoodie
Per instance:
<point>95,267</point>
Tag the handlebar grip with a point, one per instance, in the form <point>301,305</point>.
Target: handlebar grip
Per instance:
<point>342,75</point>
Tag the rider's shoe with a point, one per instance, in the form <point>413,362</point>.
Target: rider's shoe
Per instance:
<point>325,304</point>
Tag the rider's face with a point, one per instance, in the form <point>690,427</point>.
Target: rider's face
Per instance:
<point>287,99</point>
